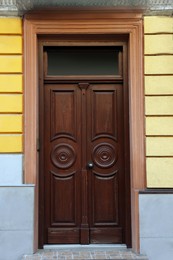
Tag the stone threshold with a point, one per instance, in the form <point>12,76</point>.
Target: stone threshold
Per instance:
<point>90,246</point>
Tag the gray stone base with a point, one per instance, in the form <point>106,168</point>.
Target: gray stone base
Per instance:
<point>156,226</point>
<point>16,221</point>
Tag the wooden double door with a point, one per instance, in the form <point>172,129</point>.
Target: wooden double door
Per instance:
<point>84,163</point>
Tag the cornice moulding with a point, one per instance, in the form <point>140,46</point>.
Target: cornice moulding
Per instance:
<point>149,7</point>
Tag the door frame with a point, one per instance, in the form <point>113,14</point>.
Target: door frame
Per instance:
<point>86,22</point>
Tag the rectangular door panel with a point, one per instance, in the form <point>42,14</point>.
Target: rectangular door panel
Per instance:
<point>63,113</point>
<point>63,200</point>
<point>104,103</point>
<point>106,235</point>
<point>63,236</point>
<point>105,200</point>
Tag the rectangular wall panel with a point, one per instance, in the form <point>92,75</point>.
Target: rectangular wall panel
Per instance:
<point>159,64</point>
<point>10,44</point>
<point>11,103</point>
<point>158,85</point>
<point>11,83</point>
<point>10,143</point>
<point>156,44</point>
<point>159,146</point>
<point>10,25</point>
<point>11,169</point>
<point>10,64</point>
<point>10,123</point>
<point>159,172</point>
<point>158,24</point>
<point>158,105</point>
<point>159,126</point>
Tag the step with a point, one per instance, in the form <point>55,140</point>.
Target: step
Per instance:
<point>84,253</point>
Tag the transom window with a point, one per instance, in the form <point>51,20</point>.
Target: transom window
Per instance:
<point>92,60</point>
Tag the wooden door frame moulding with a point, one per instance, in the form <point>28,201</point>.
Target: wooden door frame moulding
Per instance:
<point>87,22</point>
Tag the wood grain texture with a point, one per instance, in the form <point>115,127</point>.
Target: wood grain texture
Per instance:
<point>98,206</point>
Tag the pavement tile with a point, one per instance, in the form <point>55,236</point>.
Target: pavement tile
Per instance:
<point>53,257</point>
<point>142,257</point>
<point>49,254</point>
<point>76,254</point>
<point>33,257</point>
<point>114,257</point>
<point>85,256</point>
<point>99,257</point>
<point>49,258</point>
<point>79,257</point>
<point>114,253</point>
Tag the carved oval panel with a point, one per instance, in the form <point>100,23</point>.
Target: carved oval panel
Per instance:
<point>104,155</point>
<point>63,156</point>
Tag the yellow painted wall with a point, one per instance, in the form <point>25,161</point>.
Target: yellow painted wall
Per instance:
<point>157,24</point>
<point>10,143</point>
<point>11,87</point>
<point>10,26</point>
<point>11,103</point>
<point>11,123</point>
<point>158,85</point>
<point>158,44</point>
<point>11,64</point>
<point>159,172</point>
<point>159,64</point>
<point>160,126</point>
<point>159,146</point>
<point>158,69</point>
<point>159,105</point>
<point>11,44</point>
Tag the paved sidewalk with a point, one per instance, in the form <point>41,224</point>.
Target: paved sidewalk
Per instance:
<point>84,254</point>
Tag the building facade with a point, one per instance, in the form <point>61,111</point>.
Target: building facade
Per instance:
<point>145,37</point>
